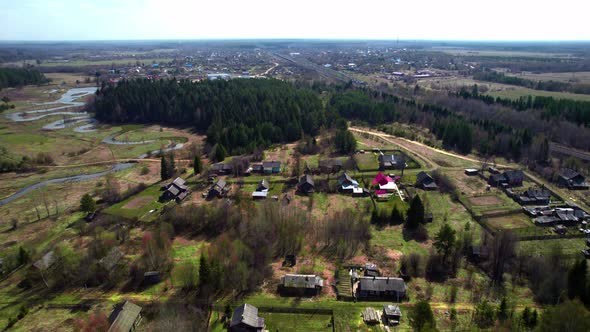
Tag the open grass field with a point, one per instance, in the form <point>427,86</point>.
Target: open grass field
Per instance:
<point>82,63</point>
<point>138,206</point>
<point>297,322</point>
<point>366,161</point>
<point>485,200</point>
<point>517,92</point>
<point>568,77</point>
<point>544,247</point>
<point>519,220</point>
<point>498,53</point>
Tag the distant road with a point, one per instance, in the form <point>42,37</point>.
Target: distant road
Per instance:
<point>555,147</point>
<point>321,70</point>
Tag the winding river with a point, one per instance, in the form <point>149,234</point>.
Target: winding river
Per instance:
<point>68,100</point>
<point>75,178</point>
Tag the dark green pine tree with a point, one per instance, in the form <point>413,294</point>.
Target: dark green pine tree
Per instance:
<point>197,164</point>
<point>164,167</point>
<point>415,215</point>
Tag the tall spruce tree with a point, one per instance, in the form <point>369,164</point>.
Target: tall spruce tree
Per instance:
<point>197,164</point>
<point>164,167</point>
<point>415,215</point>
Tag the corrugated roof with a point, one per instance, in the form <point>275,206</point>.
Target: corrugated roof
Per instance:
<point>301,281</point>
<point>46,261</point>
<point>382,284</point>
<point>123,317</point>
<point>247,314</point>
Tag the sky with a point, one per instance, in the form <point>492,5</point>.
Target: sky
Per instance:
<point>318,19</point>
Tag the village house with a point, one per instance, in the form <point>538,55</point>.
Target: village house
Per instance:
<point>571,179</point>
<point>330,165</point>
<point>392,314</point>
<point>125,317</point>
<point>381,288</point>
<point>301,284</point>
<point>245,319</point>
<point>347,184</point>
<point>262,190</point>
<point>305,185</point>
<point>512,178</point>
<point>534,197</point>
<point>221,169</point>
<point>392,161</point>
<point>425,181</point>
<point>176,190</point>
<point>385,183</point>
<point>219,189</point>
<point>267,167</point>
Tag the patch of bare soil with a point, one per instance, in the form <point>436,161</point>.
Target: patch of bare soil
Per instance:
<point>485,200</point>
<point>138,202</point>
<point>360,260</point>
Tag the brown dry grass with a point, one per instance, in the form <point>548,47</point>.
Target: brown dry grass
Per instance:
<point>485,200</point>
<point>138,202</point>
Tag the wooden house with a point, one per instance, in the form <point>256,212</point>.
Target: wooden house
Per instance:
<point>330,165</point>
<point>571,179</point>
<point>176,190</point>
<point>306,185</point>
<point>245,319</point>
<point>381,288</point>
<point>392,161</point>
<point>425,181</point>
<point>219,189</point>
<point>301,284</point>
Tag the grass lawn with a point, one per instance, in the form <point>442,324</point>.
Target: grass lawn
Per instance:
<point>297,322</point>
<point>366,161</point>
<point>517,92</point>
<point>75,63</point>
<point>543,247</point>
<point>138,206</point>
<point>518,220</point>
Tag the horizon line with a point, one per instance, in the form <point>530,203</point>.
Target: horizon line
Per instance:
<point>299,39</point>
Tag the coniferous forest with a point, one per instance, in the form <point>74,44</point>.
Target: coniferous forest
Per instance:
<point>238,114</point>
<point>12,77</point>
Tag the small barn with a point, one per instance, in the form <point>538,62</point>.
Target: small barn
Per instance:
<point>371,316</point>
<point>392,314</point>
<point>45,262</point>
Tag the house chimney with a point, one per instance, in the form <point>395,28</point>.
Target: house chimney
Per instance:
<point>387,280</point>
<point>373,277</point>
